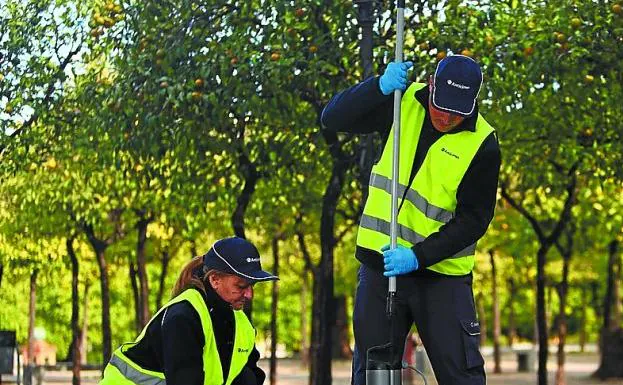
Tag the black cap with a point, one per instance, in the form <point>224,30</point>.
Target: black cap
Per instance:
<point>456,85</point>
<point>237,256</point>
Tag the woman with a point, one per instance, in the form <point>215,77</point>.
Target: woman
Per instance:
<point>201,336</point>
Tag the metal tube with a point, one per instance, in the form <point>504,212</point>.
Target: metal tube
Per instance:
<point>383,367</point>
<point>400,22</point>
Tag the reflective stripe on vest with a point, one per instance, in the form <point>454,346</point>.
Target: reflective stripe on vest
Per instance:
<point>123,371</point>
<point>134,375</point>
<point>430,201</point>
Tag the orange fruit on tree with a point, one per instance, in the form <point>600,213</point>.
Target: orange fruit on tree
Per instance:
<point>467,52</point>
<point>576,22</point>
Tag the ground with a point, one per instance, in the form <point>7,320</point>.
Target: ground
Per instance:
<point>290,372</point>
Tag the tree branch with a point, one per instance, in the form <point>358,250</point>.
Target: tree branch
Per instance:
<point>522,210</point>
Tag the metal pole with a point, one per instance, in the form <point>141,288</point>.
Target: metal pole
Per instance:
<point>393,228</point>
<point>400,21</point>
<point>384,366</point>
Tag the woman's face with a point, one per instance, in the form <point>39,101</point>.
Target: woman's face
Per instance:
<point>232,289</point>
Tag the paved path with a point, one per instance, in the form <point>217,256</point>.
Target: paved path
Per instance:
<point>291,372</point>
<point>578,370</point>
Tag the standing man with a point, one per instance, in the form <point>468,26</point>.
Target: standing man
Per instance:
<point>448,174</point>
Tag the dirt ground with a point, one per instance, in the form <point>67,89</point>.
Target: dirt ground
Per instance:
<point>291,372</point>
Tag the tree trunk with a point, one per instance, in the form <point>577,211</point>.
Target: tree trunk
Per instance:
<point>611,354</point>
<point>609,296</point>
<point>582,337</point>
<point>480,305</point>
<point>164,268</point>
<point>496,316</point>
<point>85,325</point>
<point>563,288</point>
<point>323,317</point>
<point>368,148</point>
<point>31,317</point>
<point>512,327</point>
<point>273,314</point>
<point>141,228</point>
<point>305,330</point>
<point>76,339</point>
<point>611,336</point>
<point>541,316</point>
<point>99,247</point>
<point>616,293</point>
<point>1,273</point>
<point>341,347</point>
<point>596,300</point>
<point>105,293</point>
<point>251,177</point>
<point>322,325</point>
<point>137,296</point>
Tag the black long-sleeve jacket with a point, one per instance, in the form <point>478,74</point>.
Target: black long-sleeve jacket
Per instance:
<point>364,109</point>
<point>174,343</point>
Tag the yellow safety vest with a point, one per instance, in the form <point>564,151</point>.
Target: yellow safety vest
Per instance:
<point>123,371</point>
<point>430,200</point>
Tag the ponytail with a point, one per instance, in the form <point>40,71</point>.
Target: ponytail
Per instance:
<point>191,276</point>
<point>194,275</point>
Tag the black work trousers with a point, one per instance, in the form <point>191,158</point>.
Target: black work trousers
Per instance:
<point>442,308</point>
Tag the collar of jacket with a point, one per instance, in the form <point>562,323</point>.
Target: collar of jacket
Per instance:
<point>468,124</point>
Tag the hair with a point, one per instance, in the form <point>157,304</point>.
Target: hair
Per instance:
<point>194,275</point>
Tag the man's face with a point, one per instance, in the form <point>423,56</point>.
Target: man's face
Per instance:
<point>442,121</point>
<point>232,289</point>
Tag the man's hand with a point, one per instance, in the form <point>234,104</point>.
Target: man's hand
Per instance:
<point>401,260</point>
<point>395,77</point>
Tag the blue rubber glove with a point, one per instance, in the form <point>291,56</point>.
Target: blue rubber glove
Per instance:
<point>395,77</point>
<point>401,260</point>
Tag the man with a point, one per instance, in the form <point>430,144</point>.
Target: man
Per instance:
<point>448,174</point>
<point>202,336</point>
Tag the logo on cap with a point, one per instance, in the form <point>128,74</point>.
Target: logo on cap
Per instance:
<point>457,85</point>
<point>253,260</point>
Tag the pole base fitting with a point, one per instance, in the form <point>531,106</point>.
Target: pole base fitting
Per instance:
<point>383,366</point>
<point>384,377</point>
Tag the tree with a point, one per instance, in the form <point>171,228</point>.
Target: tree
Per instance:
<point>40,43</point>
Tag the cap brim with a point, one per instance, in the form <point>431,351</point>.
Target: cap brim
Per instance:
<point>257,276</point>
